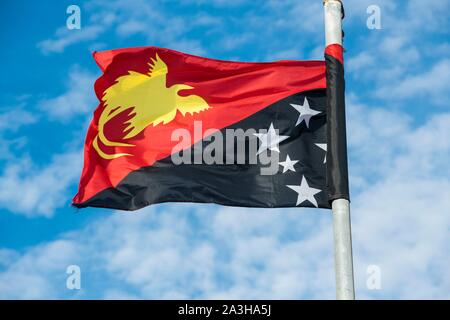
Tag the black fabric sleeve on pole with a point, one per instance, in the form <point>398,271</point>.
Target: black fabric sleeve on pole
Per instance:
<point>337,166</point>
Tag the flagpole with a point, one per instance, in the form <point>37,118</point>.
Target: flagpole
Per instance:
<point>343,259</point>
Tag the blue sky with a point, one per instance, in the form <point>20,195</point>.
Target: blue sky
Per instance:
<point>398,98</point>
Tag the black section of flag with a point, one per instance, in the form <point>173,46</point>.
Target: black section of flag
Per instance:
<point>241,184</point>
<point>337,175</point>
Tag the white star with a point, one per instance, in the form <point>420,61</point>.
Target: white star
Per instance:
<point>323,146</point>
<point>288,164</point>
<point>305,192</point>
<point>270,140</point>
<point>306,113</point>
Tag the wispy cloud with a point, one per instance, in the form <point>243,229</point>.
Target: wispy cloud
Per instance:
<point>78,99</point>
<point>64,38</point>
<point>33,190</point>
<point>434,84</point>
<point>156,254</point>
<point>14,119</point>
<point>10,122</point>
<point>136,17</point>
<point>28,275</point>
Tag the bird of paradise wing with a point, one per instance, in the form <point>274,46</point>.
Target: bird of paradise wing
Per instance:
<point>149,100</point>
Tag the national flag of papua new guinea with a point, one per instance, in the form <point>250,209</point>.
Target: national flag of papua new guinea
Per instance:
<point>161,114</point>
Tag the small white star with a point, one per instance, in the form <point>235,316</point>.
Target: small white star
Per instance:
<point>270,140</point>
<point>306,113</point>
<point>323,146</point>
<point>305,193</point>
<point>288,164</point>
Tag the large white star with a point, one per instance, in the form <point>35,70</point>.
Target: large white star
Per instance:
<point>305,192</point>
<point>288,164</point>
<point>306,113</point>
<point>270,140</point>
<point>323,146</point>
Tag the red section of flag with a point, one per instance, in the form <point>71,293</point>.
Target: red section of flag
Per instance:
<point>336,51</point>
<point>233,90</point>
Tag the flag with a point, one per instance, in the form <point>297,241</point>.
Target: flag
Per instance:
<point>173,127</point>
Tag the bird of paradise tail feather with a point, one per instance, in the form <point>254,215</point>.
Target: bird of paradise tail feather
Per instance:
<point>151,103</point>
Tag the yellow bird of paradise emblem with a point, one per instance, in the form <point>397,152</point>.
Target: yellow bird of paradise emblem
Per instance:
<point>150,100</point>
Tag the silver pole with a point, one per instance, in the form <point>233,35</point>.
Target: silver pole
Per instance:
<point>343,259</point>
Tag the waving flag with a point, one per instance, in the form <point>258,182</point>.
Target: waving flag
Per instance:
<point>181,128</point>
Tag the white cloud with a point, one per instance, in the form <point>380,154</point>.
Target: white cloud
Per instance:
<point>64,38</point>
<point>130,18</point>
<point>427,16</point>
<point>7,257</point>
<point>32,190</point>
<point>78,99</point>
<point>28,275</point>
<point>301,16</point>
<point>191,46</point>
<point>10,122</point>
<point>15,118</point>
<point>396,60</point>
<point>375,137</point>
<point>433,84</point>
<point>400,223</point>
<point>157,255</point>
<point>219,3</point>
<point>228,43</point>
<point>359,62</point>
<point>130,27</point>
<point>283,55</point>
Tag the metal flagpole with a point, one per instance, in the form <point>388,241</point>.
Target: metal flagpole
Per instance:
<point>343,260</point>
